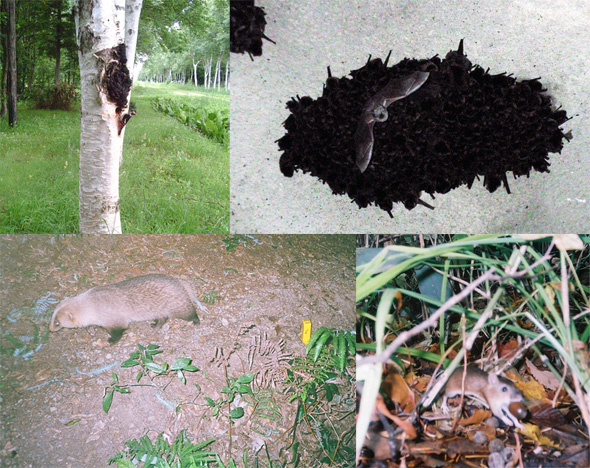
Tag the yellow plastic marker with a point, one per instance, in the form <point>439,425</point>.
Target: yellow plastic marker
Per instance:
<point>306,333</point>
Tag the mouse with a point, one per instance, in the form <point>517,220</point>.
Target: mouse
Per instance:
<point>497,393</point>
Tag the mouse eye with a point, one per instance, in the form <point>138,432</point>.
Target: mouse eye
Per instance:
<point>56,323</point>
<point>504,389</point>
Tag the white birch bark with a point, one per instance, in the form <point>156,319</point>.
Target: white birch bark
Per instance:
<point>132,12</point>
<point>227,75</point>
<point>217,81</point>
<point>101,25</point>
<point>208,67</point>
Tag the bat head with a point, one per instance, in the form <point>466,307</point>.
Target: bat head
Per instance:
<point>380,113</point>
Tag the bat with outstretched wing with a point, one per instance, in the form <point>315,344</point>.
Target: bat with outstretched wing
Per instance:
<point>375,110</point>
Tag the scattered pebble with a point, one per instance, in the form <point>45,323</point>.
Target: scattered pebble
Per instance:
<point>492,422</point>
<point>480,437</point>
<point>496,460</point>
<point>495,445</point>
<point>508,454</point>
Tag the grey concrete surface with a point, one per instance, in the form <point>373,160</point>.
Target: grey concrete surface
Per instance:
<point>529,38</point>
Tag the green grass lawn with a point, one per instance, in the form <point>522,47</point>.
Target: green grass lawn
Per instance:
<point>173,180</point>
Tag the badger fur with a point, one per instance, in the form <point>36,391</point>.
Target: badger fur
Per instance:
<point>115,306</point>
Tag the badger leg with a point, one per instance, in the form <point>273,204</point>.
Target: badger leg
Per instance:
<point>116,334</point>
<point>194,318</point>
<point>159,322</point>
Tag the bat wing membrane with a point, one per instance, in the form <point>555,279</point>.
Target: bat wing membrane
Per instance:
<point>397,88</point>
<point>363,140</point>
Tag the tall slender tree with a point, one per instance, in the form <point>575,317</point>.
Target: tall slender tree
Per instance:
<point>106,32</point>
<point>11,59</point>
<point>58,6</point>
<point>3,83</point>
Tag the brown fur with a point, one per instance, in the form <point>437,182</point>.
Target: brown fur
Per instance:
<point>494,391</point>
<point>115,306</point>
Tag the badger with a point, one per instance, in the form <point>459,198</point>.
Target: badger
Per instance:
<point>115,306</point>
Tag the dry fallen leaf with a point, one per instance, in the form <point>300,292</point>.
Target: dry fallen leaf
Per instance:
<point>407,427</point>
<point>508,349</point>
<point>489,431</point>
<point>396,388</point>
<point>532,431</point>
<point>532,389</point>
<point>562,241</point>
<point>478,416</point>
<point>545,378</point>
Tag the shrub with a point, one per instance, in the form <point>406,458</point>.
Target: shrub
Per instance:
<point>60,96</point>
<point>212,123</point>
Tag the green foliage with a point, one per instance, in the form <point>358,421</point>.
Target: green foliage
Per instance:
<point>307,379</point>
<point>233,242</point>
<point>23,346</point>
<point>209,298</point>
<point>265,412</point>
<point>311,381</point>
<point>525,300</point>
<point>144,358</point>
<point>343,345</point>
<point>307,376</point>
<point>55,97</point>
<point>212,123</point>
<point>266,461</point>
<point>179,33</point>
<point>234,387</point>
<point>161,454</point>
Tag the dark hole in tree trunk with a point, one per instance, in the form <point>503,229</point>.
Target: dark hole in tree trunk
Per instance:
<point>116,80</point>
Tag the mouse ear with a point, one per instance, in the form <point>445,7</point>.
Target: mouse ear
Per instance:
<point>493,379</point>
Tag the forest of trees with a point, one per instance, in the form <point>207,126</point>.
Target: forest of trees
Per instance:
<point>183,41</point>
<point>179,51</point>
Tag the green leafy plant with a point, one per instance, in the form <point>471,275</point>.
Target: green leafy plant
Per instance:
<point>144,358</point>
<point>343,345</point>
<point>233,242</point>
<point>209,298</point>
<point>213,123</point>
<point>312,381</point>
<point>182,453</point>
<point>235,387</point>
<point>59,96</point>
<point>265,412</point>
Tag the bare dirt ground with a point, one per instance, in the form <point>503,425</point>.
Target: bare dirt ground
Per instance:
<point>256,293</point>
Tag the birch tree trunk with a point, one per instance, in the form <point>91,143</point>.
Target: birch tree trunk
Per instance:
<point>227,75</point>
<point>217,80</point>
<point>106,32</point>
<point>209,69</point>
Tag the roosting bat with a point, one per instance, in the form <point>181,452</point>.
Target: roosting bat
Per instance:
<point>375,110</point>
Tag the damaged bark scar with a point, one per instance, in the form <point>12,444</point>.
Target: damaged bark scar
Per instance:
<point>116,83</point>
<point>110,207</point>
<point>115,79</point>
